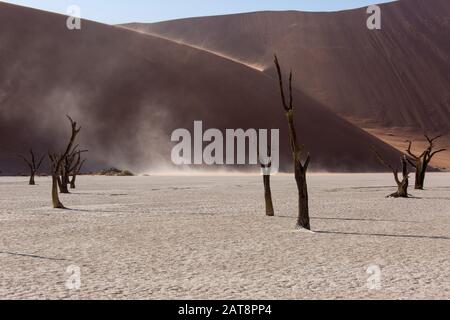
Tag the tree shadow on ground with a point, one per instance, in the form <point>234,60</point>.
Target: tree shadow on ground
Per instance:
<point>384,235</point>
<point>31,256</point>
<point>351,219</point>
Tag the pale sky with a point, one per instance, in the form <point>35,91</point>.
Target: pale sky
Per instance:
<point>121,11</point>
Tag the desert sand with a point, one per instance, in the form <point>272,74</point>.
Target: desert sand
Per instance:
<point>206,237</point>
<point>396,76</point>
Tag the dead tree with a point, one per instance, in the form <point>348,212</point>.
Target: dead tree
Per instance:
<point>402,185</point>
<point>63,179</point>
<point>266,170</point>
<point>70,165</point>
<point>421,162</point>
<point>76,170</point>
<point>57,160</point>
<point>33,165</point>
<point>299,168</point>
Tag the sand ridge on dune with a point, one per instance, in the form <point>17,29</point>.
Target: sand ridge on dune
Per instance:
<point>396,76</point>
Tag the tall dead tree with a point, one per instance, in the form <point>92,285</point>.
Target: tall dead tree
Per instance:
<point>420,162</point>
<point>402,185</point>
<point>33,165</point>
<point>299,168</point>
<point>57,160</point>
<point>266,170</point>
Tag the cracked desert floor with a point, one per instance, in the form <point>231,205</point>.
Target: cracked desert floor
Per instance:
<point>206,237</point>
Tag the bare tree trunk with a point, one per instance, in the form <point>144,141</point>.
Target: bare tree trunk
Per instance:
<point>299,168</point>
<point>420,176</point>
<point>32,182</point>
<point>63,185</point>
<point>303,216</point>
<point>266,171</point>
<point>76,169</point>
<point>402,190</point>
<point>72,182</point>
<point>268,196</point>
<point>55,197</point>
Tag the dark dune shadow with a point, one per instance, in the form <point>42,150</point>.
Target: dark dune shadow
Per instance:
<point>384,235</point>
<point>31,256</point>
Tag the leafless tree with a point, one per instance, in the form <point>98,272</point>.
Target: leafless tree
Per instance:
<point>299,168</point>
<point>70,165</point>
<point>420,162</point>
<point>76,170</point>
<point>402,185</point>
<point>57,160</point>
<point>33,165</point>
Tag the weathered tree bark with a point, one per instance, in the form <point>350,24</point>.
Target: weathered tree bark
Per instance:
<point>402,185</point>
<point>57,162</point>
<point>421,162</point>
<point>33,165</point>
<point>299,168</point>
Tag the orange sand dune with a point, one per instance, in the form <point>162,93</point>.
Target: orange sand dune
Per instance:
<point>396,76</point>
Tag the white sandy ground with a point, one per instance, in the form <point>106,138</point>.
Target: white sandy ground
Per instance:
<point>207,238</point>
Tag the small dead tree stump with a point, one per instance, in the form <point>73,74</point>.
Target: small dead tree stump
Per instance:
<point>266,170</point>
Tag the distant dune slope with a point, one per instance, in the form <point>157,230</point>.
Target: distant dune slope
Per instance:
<point>396,76</point>
<point>129,91</point>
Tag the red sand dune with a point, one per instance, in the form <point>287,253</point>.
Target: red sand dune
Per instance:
<point>130,90</point>
<point>396,76</point>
